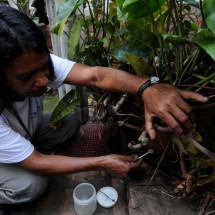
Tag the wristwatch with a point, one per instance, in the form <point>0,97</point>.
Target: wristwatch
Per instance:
<point>151,81</point>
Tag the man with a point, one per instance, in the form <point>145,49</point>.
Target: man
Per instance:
<point>27,69</point>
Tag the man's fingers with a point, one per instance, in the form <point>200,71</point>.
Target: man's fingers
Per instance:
<point>184,106</point>
<point>191,95</point>
<point>171,107</point>
<point>149,126</point>
<point>183,118</point>
<point>173,124</point>
<point>129,158</point>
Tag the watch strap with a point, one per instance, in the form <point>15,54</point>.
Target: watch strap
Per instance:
<point>143,87</point>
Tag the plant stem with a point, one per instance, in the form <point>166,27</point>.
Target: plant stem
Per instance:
<point>92,19</point>
<point>164,153</point>
<point>177,17</point>
<point>204,80</point>
<point>200,147</point>
<point>202,13</point>
<point>152,17</point>
<point>192,62</point>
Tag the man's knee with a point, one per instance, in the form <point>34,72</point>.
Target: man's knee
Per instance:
<point>28,189</point>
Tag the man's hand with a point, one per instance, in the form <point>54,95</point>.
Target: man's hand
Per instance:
<point>120,165</point>
<point>168,103</point>
<point>116,165</point>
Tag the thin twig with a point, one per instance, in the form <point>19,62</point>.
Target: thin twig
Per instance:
<point>155,189</point>
<point>129,114</point>
<point>211,212</point>
<point>119,103</point>
<point>182,165</point>
<point>211,96</point>
<point>204,205</point>
<point>159,163</point>
<point>122,123</point>
<point>185,174</point>
<point>113,200</point>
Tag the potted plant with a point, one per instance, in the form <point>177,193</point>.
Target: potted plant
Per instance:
<point>172,39</point>
<point>175,40</point>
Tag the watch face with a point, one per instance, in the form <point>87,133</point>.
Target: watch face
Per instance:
<point>154,79</point>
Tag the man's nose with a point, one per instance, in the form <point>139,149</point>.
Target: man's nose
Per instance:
<point>41,79</point>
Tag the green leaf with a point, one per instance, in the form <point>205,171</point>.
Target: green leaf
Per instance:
<point>66,105</point>
<point>119,54</point>
<point>105,41</point>
<point>139,8</point>
<point>55,29</point>
<point>160,18</point>
<point>61,27</point>
<point>206,40</point>
<point>65,10</point>
<point>175,39</point>
<point>74,37</point>
<point>209,12</point>
<point>191,148</point>
<point>120,32</point>
<point>138,64</point>
<point>195,27</point>
<point>197,136</point>
<point>120,4</point>
<point>112,10</point>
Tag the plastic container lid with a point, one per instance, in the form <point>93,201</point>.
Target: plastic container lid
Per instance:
<point>107,197</point>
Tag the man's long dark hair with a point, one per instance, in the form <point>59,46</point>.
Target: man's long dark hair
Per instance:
<point>18,34</point>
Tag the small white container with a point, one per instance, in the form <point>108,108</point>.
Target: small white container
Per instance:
<point>107,197</point>
<point>84,196</point>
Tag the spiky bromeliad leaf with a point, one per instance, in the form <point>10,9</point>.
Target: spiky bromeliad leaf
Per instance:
<point>67,104</point>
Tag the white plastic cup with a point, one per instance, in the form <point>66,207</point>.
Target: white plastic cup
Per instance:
<point>84,196</point>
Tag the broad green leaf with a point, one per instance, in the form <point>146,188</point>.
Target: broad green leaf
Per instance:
<point>120,4</point>
<point>137,9</point>
<point>138,64</point>
<point>209,12</point>
<point>74,37</point>
<point>195,27</point>
<point>160,18</point>
<point>65,10</point>
<point>55,29</point>
<point>112,10</point>
<point>66,105</point>
<point>61,28</point>
<point>143,40</point>
<point>105,41</point>
<point>206,40</point>
<point>119,54</point>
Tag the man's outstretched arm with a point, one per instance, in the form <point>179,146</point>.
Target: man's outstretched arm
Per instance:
<point>160,100</point>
